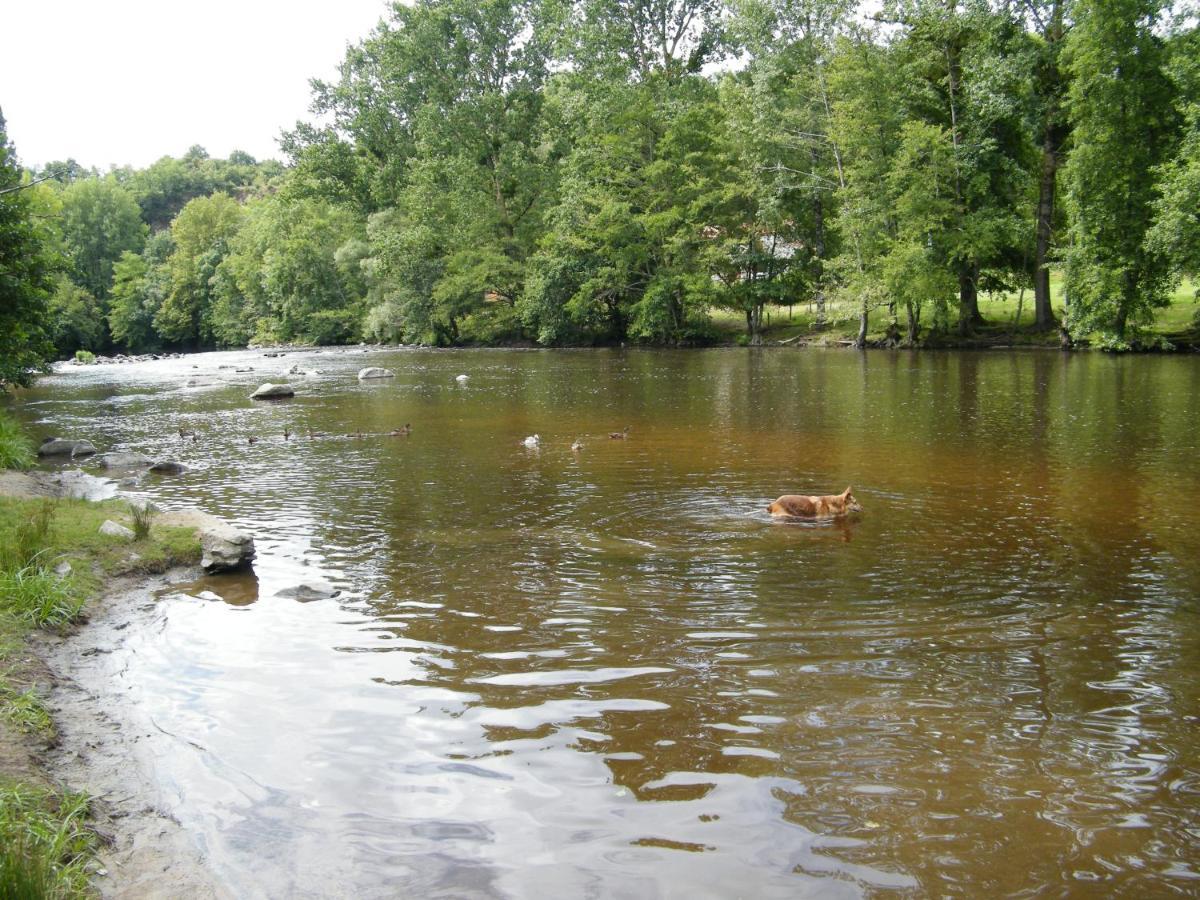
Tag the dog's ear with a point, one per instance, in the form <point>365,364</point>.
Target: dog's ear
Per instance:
<point>846,493</point>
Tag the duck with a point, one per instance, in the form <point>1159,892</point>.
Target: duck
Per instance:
<point>401,432</point>
<point>619,435</point>
<point>185,434</point>
<point>576,446</point>
<point>287,433</point>
<point>532,442</point>
<point>252,440</point>
<point>462,379</point>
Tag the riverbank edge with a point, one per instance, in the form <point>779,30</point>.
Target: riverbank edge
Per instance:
<point>95,747</point>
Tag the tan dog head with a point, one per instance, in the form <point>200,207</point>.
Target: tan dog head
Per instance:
<point>851,504</point>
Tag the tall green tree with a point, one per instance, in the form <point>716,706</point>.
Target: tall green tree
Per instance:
<point>1122,113</point>
<point>27,272</point>
<point>201,234</point>
<point>1176,232</point>
<point>100,221</point>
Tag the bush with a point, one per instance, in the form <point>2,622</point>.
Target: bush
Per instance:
<point>87,357</point>
<point>16,449</point>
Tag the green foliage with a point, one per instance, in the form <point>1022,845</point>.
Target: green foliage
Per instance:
<point>86,357</point>
<point>1124,122</point>
<point>27,268</point>
<point>16,447</point>
<point>100,221</point>
<point>77,317</point>
<point>45,844</point>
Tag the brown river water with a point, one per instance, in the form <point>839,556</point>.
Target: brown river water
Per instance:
<point>610,674</point>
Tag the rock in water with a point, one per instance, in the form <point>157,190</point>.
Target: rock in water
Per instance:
<point>309,591</point>
<point>168,467</point>
<point>125,460</point>
<point>114,529</point>
<point>273,392</point>
<point>374,372</point>
<point>226,549</point>
<point>65,447</point>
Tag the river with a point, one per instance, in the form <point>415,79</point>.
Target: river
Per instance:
<point>609,673</point>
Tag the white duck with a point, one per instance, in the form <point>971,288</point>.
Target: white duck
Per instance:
<point>532,442</point>
<point>462,379</point>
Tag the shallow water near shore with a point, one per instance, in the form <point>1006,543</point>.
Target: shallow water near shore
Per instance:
<point>610,673</point>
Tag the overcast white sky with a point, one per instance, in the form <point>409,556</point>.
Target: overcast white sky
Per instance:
<point>116,82</point>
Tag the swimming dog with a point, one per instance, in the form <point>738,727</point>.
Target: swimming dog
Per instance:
<point>830,506</point>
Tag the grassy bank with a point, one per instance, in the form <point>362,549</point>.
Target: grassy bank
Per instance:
<point>1008,320</point>
<point>53,558</point>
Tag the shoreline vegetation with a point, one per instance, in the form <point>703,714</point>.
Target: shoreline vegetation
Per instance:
<point>56,562</point>
<point>567,173</point>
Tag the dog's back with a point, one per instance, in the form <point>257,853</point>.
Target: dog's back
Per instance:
<point>808,506</point>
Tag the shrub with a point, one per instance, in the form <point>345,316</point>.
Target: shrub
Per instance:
<point>87,357</point>
<point>16,449</point>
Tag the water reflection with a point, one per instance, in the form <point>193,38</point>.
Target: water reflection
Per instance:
<point>609,672</point>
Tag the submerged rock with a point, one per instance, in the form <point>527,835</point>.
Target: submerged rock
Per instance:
<point>273,392</point>
<point>374,372</point>
<point>310,590</point>
<point>168,467</point>
<point>125,460</point>
<point>65,447</point>
<point>114,529</point>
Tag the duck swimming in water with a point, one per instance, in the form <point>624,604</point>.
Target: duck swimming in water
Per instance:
<point>619,435</point>
<point>532,442</point>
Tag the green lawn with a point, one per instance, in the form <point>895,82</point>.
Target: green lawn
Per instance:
<point>1179,320</point>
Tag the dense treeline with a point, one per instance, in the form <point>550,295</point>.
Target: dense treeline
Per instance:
<point>587,171</point>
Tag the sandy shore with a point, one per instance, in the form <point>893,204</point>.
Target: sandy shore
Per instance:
<point>106,749</point>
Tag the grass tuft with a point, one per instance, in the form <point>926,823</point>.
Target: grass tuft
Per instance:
<point>39,597</point>
<point>26,712</point>
<point>45,847</point>
<point>31,536</point>
<point>16,449</point>
<point>142,515</point>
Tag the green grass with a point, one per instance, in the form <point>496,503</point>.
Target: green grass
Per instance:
<point>26,712</point>
<point>1177,322</point>
<point>46,848</point>
<point>16,448</point>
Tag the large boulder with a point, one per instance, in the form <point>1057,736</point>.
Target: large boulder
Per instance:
<point>225,548</point>
<point>125,460</point>
<point>65,447</point>
<point>374,372</point>
<point>273,392</point>
<point>168,467</point>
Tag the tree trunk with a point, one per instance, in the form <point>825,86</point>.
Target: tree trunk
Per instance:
<point>968,299</point>
<point>1052,138</point>
<point>860,342</point>
<point>819,250</point>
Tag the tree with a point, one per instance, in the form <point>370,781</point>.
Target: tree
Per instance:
<point>100,221</point>
<point>141,284</point>
<point>282,281</point>
<point>1120,105</point>
<point>27,272</point>
<point>1176,232</point>
<point>201,233</point>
